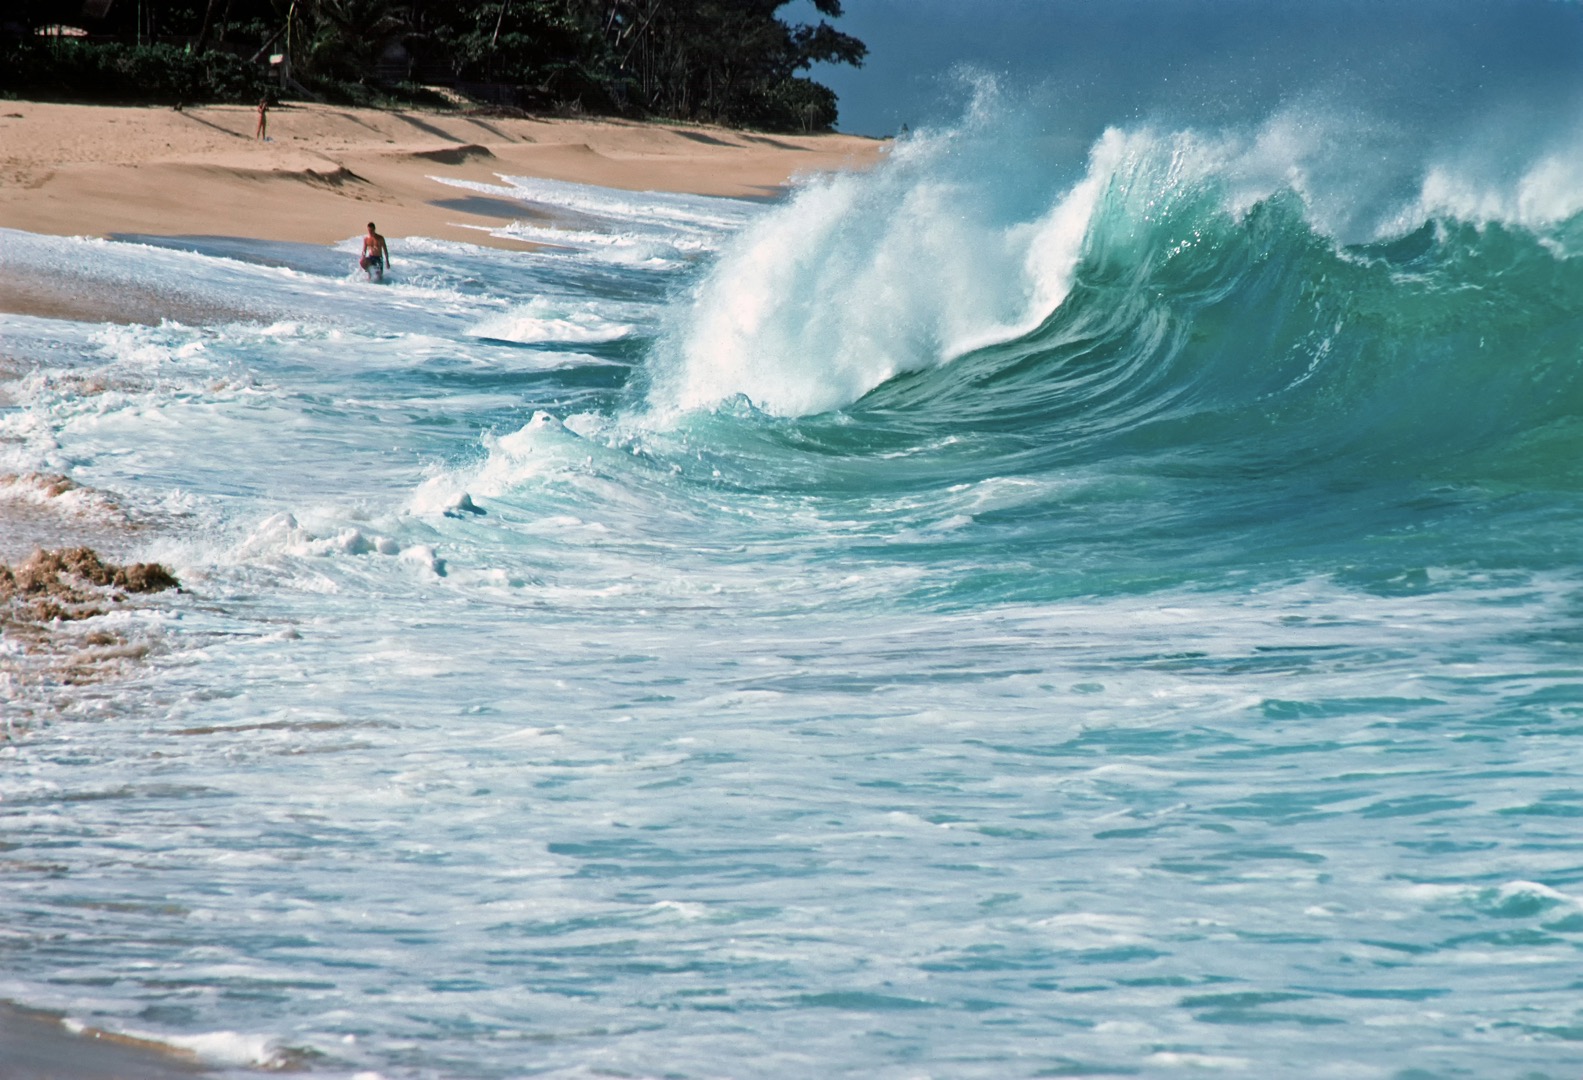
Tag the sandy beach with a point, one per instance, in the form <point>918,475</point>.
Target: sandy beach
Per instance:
<point>325,171</point>
<point>320,175</point>
<point>1093,587</point>
<point>78,170</point>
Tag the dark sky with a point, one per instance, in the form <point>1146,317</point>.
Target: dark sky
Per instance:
<point>1103,62</point>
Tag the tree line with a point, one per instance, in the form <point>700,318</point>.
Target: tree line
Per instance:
<point>734,62</point>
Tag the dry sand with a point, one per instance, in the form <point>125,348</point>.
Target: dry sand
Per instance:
<point>326,171</point>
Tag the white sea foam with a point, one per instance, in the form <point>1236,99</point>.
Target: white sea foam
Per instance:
<point>497,727</point>
<point>231,1048</point>
<point>1546,193</point>
<point>653,229</point>
<point>544,320</point>
<point>615,205</point>
<point>934,254</point>
<point>858,279</point>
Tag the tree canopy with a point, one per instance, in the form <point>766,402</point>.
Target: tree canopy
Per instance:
<point>733,62</point>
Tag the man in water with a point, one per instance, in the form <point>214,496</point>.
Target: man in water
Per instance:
<point>376,256</point>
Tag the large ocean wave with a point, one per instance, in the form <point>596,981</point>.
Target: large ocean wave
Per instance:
<point>1244,348</point>
<point>1008,612</point>
<point>1182,274</point>
<point>1267,246</point>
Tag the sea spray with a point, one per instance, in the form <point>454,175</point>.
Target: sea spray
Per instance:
<point>860,278</point>
<point>955,244</point>
<point>1153,649</point>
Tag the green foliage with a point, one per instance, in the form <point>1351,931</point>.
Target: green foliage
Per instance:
<point>791,104</point>
<point>726,61</point>
<point>341,40</point>
<point>73,70</point>
<point>731,61</point>
<point>550,49</point>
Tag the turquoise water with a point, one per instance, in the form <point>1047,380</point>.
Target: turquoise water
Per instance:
<point>1008,614</point>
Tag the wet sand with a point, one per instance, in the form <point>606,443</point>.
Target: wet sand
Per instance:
<point>36,1045</point>
<point>41,510</point>
<point>55,294</point>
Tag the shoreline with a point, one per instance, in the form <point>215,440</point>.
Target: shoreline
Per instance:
<point>108,171</point>
<point>325,171</point>
<point>39,1045</point>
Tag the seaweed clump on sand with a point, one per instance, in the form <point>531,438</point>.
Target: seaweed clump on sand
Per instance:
<point>43,601</point>
<point>74,583</point>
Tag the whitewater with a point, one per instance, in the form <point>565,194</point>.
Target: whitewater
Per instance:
<point>1009,613</point>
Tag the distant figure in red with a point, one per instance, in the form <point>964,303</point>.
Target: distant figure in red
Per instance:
<point>263,118</point>
<point>376,256</point>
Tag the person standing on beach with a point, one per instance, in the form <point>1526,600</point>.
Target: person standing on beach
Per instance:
<point>263,118</point>
<point>376,256</point>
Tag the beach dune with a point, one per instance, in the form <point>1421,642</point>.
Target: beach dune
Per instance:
<point>325,171</point>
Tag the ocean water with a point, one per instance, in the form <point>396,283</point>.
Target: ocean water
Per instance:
<point>1011,613</point>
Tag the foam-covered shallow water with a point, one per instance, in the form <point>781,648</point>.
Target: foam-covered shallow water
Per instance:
<point>973,620</point>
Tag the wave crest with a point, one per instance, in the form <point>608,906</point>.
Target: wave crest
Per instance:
<point>1260,290</point>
